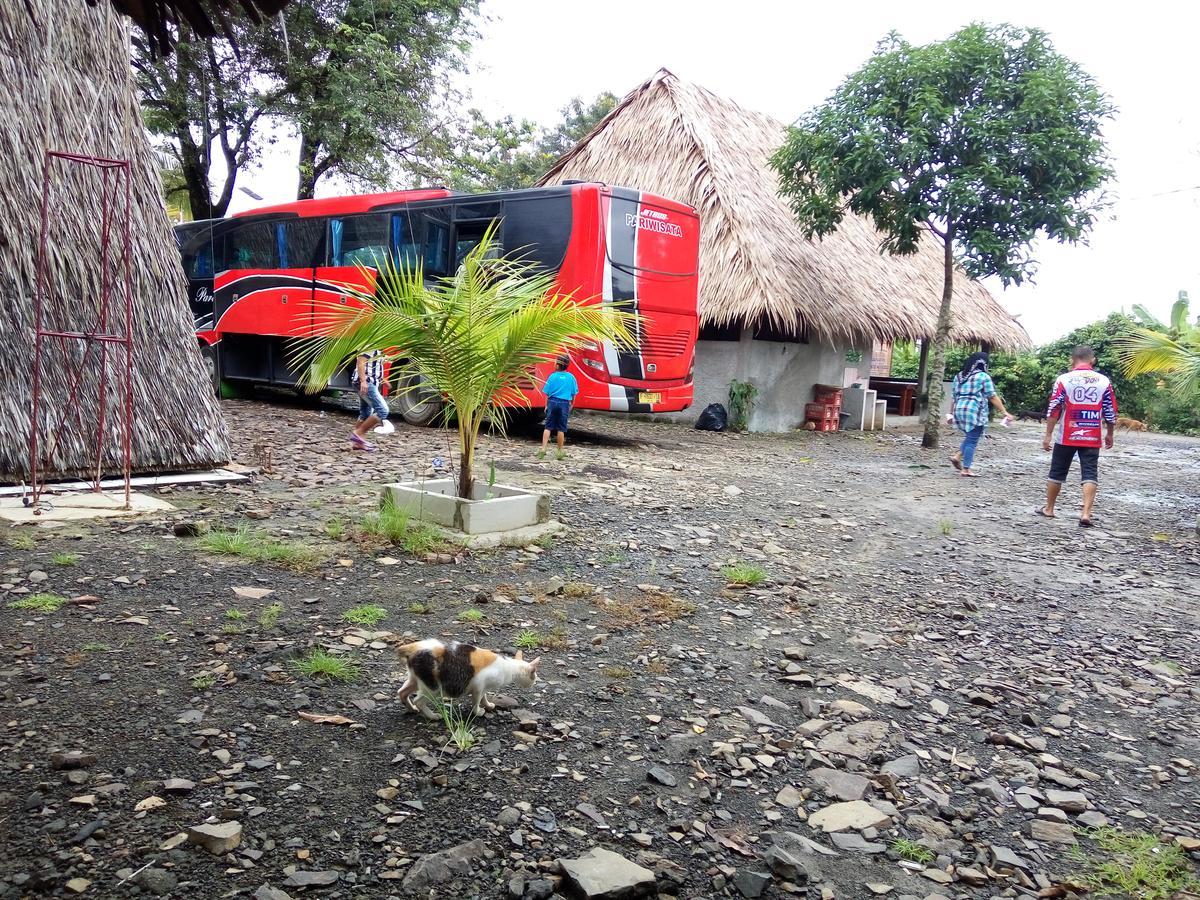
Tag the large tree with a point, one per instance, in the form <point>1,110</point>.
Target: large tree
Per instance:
<point>986,140</point>
<point>506,154</point>
<point>362,83</point>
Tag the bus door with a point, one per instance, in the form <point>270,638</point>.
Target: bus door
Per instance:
<point>352,243</point>
<point>196,244</point>
<point>265,295</point>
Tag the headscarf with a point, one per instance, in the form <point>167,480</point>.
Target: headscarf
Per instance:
<point>976,362</point>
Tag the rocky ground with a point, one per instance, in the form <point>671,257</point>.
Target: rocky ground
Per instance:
<point>932,693</point>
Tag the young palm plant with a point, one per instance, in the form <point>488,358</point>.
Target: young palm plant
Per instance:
<point>1172,350</point>
<point>474,337</point>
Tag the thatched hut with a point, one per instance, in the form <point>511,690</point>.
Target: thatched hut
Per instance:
<point>65,85</point>
<point>775,308</point>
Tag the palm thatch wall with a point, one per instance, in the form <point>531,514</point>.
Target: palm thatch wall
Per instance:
<point>681,141</point>
<point>65,85</point>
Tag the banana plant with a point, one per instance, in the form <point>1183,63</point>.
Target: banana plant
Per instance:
<point>1171,350</point>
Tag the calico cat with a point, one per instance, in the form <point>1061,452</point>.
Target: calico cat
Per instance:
<point>454,670</point>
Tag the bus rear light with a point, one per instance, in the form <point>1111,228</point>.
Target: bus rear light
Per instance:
<point>590,346</point>
<point>593,363</point>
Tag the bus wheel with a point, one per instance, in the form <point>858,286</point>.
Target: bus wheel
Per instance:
<point>417,404</point>
<point>209,355</point>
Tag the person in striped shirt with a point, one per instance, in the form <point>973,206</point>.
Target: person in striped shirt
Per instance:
<point>372,408</point>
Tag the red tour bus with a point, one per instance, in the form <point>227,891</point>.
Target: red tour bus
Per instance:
<point>257,279</point>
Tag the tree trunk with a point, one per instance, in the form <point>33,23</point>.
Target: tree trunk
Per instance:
<point>941,340</point>
<point>466,460</point>
<point>922,378</point>
<point>308,168</point>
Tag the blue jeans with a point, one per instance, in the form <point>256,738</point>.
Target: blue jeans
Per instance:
<point>969,442</point>
<point>372,402</point>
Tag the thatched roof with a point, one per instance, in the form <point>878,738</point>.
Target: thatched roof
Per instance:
<point>208,18</point>
<point>681,141</point>
<point>65,84</point>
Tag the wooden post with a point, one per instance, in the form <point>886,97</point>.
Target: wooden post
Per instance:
<point>922,388</point>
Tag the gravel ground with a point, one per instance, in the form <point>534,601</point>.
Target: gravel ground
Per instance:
<point>931,693</point>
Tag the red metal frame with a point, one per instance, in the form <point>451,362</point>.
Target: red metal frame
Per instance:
<point>112,172</point>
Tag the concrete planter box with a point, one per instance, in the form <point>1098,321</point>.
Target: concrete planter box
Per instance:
<point>506,509</point>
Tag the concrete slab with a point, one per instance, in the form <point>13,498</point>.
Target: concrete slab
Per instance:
<point>517,537</point>
<point>78,507</point>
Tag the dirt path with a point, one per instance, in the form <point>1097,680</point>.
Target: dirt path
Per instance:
<point>928,671</point>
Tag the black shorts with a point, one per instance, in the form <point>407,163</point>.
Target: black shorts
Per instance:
<point>1060,463</point>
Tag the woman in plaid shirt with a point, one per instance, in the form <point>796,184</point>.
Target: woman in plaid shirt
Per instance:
<point>972,390</point>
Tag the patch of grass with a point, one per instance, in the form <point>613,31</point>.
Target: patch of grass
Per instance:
<point>323,666</point>
<point>94,648</point>
<point>556,639</point>
<point>235,615</point>
<point>617,672</point>
<point>560,455</point>
<point>744,574</point>
<point>913,851</point>
<point>471,616</point>
<point>612,557</point>
<point>335,529</point>
<point>654,608</point>
<point>460,726</point>
<point>545,540</point>
<point>20,542</point>
<point>419,608</point>
<point>269,617</point>
<point>657,666</point>
<point>527,640</point>
<point>64,559</point>
<point>945,526</point>
<point>163,637</point>
<point>257,546</point>
<point>1170,665</point>
<point>43,603</point>
<point>368,615</point>
<point>394,525</point>
<point>576,589</point>
<point>232,628</point>
<point>1136,864</point>
<point>204,681</point>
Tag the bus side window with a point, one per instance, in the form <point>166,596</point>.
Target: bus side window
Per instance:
<point>406,240</point>
<point>252,246</point>
<point>358,239</point>
<point>538,229</point>
<point>437,246</point>
<point>299,240</point>
<point>197,261</point>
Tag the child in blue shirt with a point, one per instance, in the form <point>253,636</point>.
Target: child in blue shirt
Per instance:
<point>560,390</point>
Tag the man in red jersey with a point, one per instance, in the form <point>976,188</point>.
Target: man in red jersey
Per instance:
<point>1081,405</point>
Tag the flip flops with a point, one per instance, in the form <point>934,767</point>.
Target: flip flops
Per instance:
<point>956,462</point>
<point>1087,523</point>
<point>1041,511</point>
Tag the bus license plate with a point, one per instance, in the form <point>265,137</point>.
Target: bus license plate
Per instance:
<point>649,397</point>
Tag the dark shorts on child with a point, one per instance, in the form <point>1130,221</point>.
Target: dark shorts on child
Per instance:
<point>1060,463</point>
<point>557,412</point>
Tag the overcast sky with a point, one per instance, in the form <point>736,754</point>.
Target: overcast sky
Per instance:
<point>783,57</point>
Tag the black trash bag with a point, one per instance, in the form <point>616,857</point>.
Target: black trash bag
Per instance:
<point>714,418</point>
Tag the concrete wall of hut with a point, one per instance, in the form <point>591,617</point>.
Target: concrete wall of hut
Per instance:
<point>783,372</point>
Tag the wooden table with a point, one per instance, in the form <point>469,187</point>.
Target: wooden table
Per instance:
<point>901,396</point>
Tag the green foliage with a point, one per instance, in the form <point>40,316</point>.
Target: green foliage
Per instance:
<point>473,337</point>
<point>528,640</point>
<point>744,574</point>
<point>505,154</point>
<point>742,395</point>
<point>419,608</point>
<point>64,559</point>
<point>1169,349</point>
<point>945,526</point>
<point>396,526</point>
<point>1136,864</point>
<point>913,851</point>
<point>269,617</point>
<point>368,615</point>
<point>235,615</point>
<point>204,681</point>
<point>991,133</point>
<point>322,666</point>
<point>366,86</point>
<point>42,603</point>
<point>470,616</point>
<point>616,672</point>
<point>906,360</point>
<point>20,541</point>
<point>335,529</point>
<point>460,726</point>
<point>257,546</point>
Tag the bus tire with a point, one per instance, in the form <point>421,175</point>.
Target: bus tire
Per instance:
<point>416,404</point>
<point>211,369</point>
